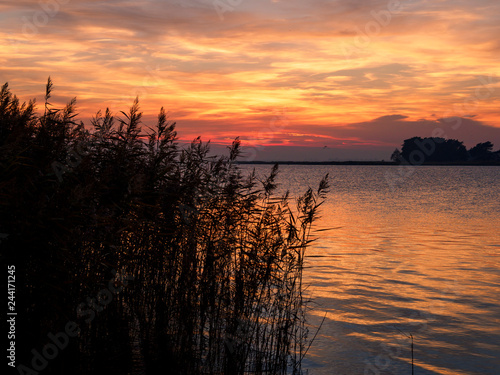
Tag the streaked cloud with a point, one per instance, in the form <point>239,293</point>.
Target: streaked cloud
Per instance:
<point>343,80</point>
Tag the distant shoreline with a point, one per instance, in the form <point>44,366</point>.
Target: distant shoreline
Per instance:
<point>352,162</point>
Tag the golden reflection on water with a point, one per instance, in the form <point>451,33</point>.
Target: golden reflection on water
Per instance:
<point>422,260</point>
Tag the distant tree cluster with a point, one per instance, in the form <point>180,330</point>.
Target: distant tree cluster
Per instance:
<point>419,150</point>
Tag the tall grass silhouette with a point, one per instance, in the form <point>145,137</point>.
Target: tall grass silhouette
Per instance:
<point>216,256</point>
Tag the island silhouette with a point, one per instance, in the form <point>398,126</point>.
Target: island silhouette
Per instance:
<point>432,150</point>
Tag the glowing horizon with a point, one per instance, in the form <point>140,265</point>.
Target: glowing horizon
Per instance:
<point>342,74</point>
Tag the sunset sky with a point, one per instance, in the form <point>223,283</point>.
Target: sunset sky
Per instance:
<point>296,80</point>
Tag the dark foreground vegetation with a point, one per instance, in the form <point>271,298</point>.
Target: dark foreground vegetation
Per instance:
<point>136,256</point>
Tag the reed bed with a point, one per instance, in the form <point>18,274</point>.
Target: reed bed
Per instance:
<point>214,257</point>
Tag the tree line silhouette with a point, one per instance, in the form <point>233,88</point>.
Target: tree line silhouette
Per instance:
<point>419,150</point>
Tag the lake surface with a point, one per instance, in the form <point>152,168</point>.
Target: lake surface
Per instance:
<point>421,257</point>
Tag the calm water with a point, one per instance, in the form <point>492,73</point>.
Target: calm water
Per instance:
<point>421,259</point>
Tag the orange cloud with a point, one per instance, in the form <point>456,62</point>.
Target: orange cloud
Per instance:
<point>327,63</point>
